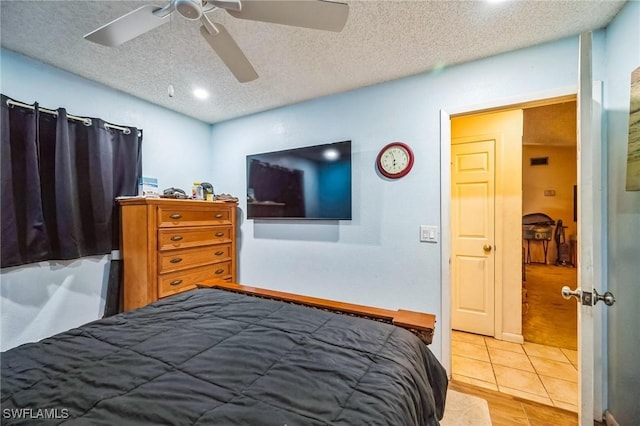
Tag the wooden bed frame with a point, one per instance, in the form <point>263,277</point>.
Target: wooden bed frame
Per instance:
<point>420,324</point>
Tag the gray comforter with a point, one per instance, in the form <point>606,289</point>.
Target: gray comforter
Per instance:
<point>212,357</point>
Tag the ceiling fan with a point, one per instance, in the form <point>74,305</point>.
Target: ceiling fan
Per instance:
<point>315,14</point>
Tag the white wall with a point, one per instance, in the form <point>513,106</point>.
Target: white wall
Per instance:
<point>42,299</point>
<point>376,258</point>
<point>623,226</point>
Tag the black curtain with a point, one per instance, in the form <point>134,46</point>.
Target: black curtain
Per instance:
<point>60,178</point>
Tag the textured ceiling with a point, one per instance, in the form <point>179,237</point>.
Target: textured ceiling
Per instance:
<point>550,125</point>
<point>382,40</point>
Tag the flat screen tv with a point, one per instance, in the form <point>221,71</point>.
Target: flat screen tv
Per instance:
<point>312,182</point>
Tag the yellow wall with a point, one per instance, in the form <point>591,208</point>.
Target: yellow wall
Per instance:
<point>559,176</point>
<point>508,209</point>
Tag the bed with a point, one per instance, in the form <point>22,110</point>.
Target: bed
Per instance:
<point>217,356</point>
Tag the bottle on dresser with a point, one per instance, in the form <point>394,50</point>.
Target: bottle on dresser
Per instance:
<point>197,192</point>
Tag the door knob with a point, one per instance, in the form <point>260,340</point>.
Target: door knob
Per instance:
<point>607,298</point>
<point>567,293</point>
<point>487,247</point>
<point>587,298</point>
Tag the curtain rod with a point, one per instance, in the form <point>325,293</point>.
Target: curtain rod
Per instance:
<point>84,120</point>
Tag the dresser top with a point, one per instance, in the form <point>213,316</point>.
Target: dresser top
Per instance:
<point>132,201</point>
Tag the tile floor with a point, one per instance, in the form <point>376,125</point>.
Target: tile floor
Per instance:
<point>535,372</point>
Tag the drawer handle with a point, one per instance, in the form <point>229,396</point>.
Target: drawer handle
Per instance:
<point>219,234</point>
<point>219,271</point>
<point>219,253</point>
<point>176,238</point>
<point>176,282</point>
<point>176,216</point>
<point>219,216</point>
<point>176,260</point>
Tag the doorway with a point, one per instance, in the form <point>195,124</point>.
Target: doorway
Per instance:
<point>549,187</point>
<point>523,353</point>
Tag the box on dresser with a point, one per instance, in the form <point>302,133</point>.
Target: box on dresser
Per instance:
<point>169,245</point>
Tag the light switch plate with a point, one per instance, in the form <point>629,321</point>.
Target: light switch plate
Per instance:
<point>428,234</point>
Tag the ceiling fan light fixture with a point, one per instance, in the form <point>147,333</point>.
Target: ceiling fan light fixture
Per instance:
<point>317,14</point>
<point>189,9</point>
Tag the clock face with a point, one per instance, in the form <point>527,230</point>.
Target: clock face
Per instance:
<point>395,160</point>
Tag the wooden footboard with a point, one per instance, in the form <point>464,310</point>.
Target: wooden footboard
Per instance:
<point>420,324</point>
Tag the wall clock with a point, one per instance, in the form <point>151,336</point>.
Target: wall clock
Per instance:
<point>395,160</point>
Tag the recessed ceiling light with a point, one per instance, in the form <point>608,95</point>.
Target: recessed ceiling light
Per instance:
<point>200,93</point>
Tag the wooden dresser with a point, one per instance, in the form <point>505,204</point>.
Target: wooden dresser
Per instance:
<point>170,245</point>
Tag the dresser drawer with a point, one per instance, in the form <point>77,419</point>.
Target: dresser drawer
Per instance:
<point>176,260</point>
<point>177,282</point>
<point>176,238</point>
<point>193,216</point>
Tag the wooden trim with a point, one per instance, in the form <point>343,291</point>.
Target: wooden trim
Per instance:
<point>421,324</point>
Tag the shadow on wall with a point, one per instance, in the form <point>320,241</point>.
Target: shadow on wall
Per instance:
<point>297,230</point>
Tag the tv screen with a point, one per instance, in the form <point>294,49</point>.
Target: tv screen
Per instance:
<point>312,182</point>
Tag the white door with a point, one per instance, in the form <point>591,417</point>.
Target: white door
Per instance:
<point>473,236</point>
<point>590,260</point>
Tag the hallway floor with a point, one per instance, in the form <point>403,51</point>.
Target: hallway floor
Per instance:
<point>535,372</point>
<point>547,318</point>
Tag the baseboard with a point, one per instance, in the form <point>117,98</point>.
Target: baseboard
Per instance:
<point>609,419</point>
<point>513,338</point>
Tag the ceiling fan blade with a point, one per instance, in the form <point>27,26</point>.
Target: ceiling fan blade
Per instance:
<point>316,14</point>
<point>128,26</point>
<point>227,49</point>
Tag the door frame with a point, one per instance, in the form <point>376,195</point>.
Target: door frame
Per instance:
<point>593,222</point>
<point>445,194</point>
